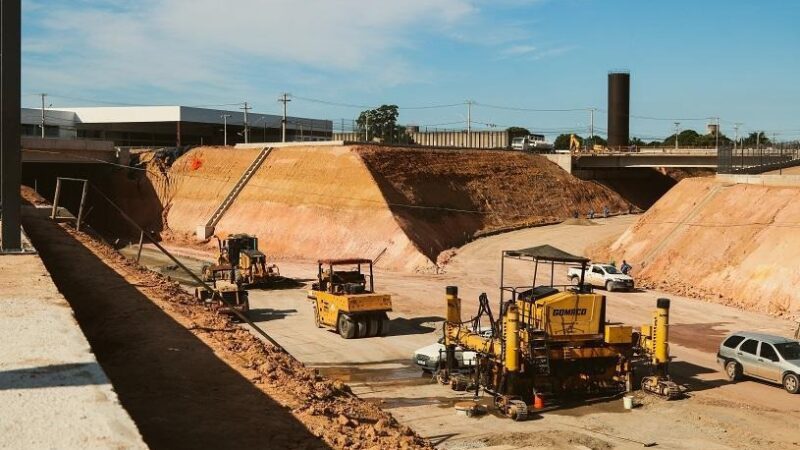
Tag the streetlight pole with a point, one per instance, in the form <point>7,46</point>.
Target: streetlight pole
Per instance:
<point>284,99</point>
<point>246,108</point>
<point>469,123</point>
<point>225,128</point>
<point>677,127</point>
<point>43,121</point>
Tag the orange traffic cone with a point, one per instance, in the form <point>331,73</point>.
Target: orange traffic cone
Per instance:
<point>538,401</point>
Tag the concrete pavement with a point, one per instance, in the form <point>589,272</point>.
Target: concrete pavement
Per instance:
<point>53,392</point>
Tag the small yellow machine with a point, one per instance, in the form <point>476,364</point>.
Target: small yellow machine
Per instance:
<point>346,301</point>
<point>239,253</point>
<point>552,341</point>
<point>231,292</point>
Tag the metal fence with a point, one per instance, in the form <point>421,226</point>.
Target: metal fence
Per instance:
<point>756,160</point>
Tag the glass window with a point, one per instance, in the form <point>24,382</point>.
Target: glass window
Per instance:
<point>610,269</point>
<point>733,341</point>
<point>768,352</point>
<point>789,350</point>
<point>597,270</point>
<point>750,346</point>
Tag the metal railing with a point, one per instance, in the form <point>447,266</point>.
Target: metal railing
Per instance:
<point>756,160</point>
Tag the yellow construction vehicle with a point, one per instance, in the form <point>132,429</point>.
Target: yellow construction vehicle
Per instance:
<point>238,253</point>
<point>227,296</point>
<point>551,341</point>
<point>346,301</point>
<point>574,143</point>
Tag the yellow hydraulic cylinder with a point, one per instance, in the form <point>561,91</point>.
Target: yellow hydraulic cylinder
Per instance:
<point>511,327</point>
<point>661,332</point>
<point>453,304</point>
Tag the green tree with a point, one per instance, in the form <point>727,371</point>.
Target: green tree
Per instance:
<point>515,132</point>
<point>562,141</point>
<point>759,138</point>
<point>380,123</point>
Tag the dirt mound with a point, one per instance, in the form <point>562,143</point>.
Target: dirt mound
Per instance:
<point>402,206</point>
<point>31,196</point>
<point>191,378</point>
<point>731,244</point>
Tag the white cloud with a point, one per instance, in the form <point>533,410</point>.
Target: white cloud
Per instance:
<point>175,44</point>
<point>519,49</point>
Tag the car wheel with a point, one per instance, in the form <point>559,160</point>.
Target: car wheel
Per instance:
<point>609,286</point>
<point>791,382</point>
<point>733,370</point>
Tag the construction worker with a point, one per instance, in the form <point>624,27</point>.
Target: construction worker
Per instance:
<point>605,212</point>
<point>591,213</point>
<point>625,268</point>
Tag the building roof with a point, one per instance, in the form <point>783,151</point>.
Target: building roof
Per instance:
<point>150,114</point>
<point>546,253</point>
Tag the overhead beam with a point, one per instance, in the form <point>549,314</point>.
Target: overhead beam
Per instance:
<point>10,155</point>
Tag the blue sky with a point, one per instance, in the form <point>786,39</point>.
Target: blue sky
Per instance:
<point>688,59</point>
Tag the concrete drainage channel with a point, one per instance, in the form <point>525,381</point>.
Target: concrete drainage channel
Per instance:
<point>173,385</point>
<point>189,378</point>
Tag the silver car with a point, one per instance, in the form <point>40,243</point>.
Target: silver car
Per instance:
<point>770,358</point>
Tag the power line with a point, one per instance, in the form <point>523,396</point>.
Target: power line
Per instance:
<point>513,108</point>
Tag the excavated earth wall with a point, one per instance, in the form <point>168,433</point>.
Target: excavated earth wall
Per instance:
<point>402,206</point>
<point>728,243</point>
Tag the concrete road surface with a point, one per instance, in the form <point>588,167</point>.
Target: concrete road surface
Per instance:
<point>717,414</point>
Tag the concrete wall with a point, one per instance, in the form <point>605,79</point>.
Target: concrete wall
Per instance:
<point>761,180</point>
<point>69,151</point>
<point>563,160</point>
<point>457,139</point>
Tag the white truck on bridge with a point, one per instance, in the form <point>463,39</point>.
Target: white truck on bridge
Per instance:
<point>602,275</point>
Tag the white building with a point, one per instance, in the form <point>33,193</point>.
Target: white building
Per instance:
<point>169,125</point>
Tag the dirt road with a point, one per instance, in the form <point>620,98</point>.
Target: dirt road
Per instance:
<point>718,414</point>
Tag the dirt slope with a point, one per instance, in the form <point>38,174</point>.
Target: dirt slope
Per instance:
<point>404,205</point>
<point>191,378</point>
<point>731,244</point>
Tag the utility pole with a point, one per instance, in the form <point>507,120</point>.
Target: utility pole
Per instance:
<point>366,127</point>
<point>284,99</point>
<point>735,134</point>
<point>246,108</point>
<point>225,128</point>
<point>469,123</point>
<point>43,121</point>
<point>716,141</point>
<point>677,127</point>
<point>591,127</point>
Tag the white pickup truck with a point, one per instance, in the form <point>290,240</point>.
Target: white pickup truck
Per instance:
<point>602,275</point>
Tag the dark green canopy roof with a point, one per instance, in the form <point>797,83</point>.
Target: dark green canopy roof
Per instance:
<point>546,253</point>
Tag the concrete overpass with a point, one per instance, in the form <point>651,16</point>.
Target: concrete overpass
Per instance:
<point>72,151</point>
<point>586,162</point>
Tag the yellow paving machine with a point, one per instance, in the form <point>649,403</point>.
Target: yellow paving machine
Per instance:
<point>552,341</point>
<point>239,254</point>
<point>345,299</point>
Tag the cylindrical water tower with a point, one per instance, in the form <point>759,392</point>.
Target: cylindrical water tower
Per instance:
<point>619,99</point>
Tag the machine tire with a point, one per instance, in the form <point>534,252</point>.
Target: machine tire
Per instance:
<point>733,370</point>
<point>373,325</point>
<point>346,326</point>
<point>791,382</point>
<point>609,286</point>
<point>385,325</point>
<point>361,326</point>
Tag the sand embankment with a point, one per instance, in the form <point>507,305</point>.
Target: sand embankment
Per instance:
<point>728,243</point>
<point>402,205</point>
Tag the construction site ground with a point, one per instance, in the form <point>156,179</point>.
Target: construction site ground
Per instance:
<point>715,414</point>
<point>53,392</point>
